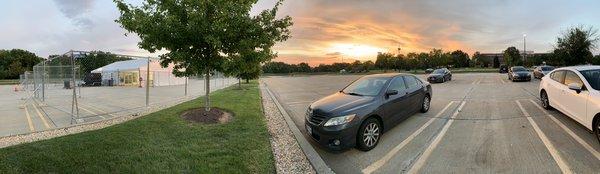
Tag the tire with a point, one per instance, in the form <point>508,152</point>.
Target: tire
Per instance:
<point>426,104</point>
<point>545,100</point>
<point>597,130</point>
<point>369,134</point>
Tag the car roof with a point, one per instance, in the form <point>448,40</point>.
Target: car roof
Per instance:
<point>387,75</point>
<point>580,67</point>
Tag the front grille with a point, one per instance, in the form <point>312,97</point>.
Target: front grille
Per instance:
<point>316,119</point>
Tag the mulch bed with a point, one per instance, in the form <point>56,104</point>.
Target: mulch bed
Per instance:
<point>200,115</point>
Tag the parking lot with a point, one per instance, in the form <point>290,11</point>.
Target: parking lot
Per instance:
<point>18,115</point>
<point>478,123</point>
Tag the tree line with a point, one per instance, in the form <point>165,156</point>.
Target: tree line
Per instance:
<point>573,47</point>
<point>15,62</point>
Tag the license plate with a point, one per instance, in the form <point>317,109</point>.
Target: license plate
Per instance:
<point>309,129</point>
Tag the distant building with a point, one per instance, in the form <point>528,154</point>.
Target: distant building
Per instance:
<point>490,56</point>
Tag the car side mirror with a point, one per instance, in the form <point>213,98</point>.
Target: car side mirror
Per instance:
<point>390,92</point>
<point>575,87</point>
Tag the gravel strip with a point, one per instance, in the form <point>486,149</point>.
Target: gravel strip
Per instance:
<point>289,158</point>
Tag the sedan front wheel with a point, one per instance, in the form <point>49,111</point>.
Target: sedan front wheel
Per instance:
<point>368,134</point>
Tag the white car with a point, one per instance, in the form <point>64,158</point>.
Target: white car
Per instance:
<point>574,91</point>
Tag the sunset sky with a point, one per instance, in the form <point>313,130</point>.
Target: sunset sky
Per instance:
<point>324,31</point>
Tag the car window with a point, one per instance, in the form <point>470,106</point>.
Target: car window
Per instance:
<point>547,68</point>
<point>411,82</point>
<point>558,76</point>
<point>439,71</point>
<point>571,77</point>
<point>518,68</point>
<point>369,86</point>
<point>397,84</point>
<point>592,77</point>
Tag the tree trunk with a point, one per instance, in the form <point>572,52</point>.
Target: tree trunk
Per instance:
<point>240,83</point>
<point>207,90</point>
<point>247,81</point>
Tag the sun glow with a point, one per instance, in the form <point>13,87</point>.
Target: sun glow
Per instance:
<point>356,51</point>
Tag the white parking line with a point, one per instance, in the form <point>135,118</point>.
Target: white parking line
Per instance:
<point>96,109</point>
<point>91,112</point>
<point>376,165</point>
<point>571,133</point>
<point>557,158</point>
<point>421,161</point>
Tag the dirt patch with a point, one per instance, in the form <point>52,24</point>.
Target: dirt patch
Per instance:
<point>200,115</point>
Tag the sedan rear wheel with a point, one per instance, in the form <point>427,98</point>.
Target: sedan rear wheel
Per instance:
<point>426,104</point>
<point>368,134</point>
<point>597,130</point>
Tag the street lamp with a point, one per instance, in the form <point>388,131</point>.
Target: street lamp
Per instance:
<point>524,48</point>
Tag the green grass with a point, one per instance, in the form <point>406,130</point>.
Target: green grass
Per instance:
<point>160,142</point>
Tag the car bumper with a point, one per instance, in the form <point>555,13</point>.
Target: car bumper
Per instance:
<point>435,80</point>
<point>522,78</point>
<point>326,136</point>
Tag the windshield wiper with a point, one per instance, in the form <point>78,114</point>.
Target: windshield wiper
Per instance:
<point>356,94</point>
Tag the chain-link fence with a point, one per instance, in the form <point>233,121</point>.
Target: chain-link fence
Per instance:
<point>81,87</point>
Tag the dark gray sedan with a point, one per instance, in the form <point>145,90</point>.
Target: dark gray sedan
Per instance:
<point>440,76</point>
<point>357,115</point>
<point>518,73</point>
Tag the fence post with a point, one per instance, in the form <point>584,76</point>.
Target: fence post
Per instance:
<point>186,85</point>
<point>74,104</point>
<point>148,83</point>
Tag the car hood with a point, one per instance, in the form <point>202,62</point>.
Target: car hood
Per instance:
<point>339,103</point>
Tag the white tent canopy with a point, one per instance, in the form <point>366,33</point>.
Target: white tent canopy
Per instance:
<point>127,65</point>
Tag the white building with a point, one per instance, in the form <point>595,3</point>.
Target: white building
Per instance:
<point>128,73</point>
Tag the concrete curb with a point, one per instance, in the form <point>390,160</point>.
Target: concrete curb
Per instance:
<point>311,154</point>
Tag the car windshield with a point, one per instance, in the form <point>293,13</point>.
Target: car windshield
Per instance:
<point>547,68</point>
<point>438,71</point>
<point>368,86</point>
<point>519,68</point>
<point>592,77</point>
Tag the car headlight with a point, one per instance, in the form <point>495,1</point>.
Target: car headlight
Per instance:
<point>340,120</point>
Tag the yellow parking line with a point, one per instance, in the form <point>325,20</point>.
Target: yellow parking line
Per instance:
<point>571,133</point>
<point>41,116</point>
<point>31,128</point>
<point>553,152</point>
<point>376,165</point>
<point>97,109</point>
<point>421,161</point>
<point>92,112</point>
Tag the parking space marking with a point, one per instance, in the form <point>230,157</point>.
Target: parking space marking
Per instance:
<point>91,112</point>
<point>502,80</point>
<point>571,133</point>
<point>376,165</point>
<point>41,116</point>
<point>557,158</point>
<point>97,109</point>
<point>31,128</point>
<point>421,161</point>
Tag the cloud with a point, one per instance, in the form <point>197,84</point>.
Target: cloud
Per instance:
<point>77,11</point>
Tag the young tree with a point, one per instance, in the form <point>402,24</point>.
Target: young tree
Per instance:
<point>460,58</point>
<point>200,36</point>
<point>384,61</point>
<point>512,56</point>
<point>577,44</point>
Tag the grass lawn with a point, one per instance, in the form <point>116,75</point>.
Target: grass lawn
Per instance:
<point>160,142</point>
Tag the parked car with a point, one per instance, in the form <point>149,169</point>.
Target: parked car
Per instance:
<point>428,70</point>
<point>518,73</point>
<point>574,91</point>
<point>503,69</point>
<point>541,71</point>
<point>92,79</point>
<point>357,115</point>
<point>440,75</point>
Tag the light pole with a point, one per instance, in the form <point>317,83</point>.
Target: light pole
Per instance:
<point>524,48</point>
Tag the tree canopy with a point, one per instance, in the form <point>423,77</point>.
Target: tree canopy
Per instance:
<point>512,56</point>
<point>15,62</point>
<point>575,45</point>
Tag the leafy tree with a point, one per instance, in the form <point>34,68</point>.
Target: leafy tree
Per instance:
<point>200,36</point>
<point>480,60</point>
<point>512,57</point>
<point>496,62</point>
<point>384,61</point>
<point>369,65</point>
<point>460,58</point>
<point>576,45</point>
<point>95,59</point>
<point>15,62</point>
<point>303,67</point>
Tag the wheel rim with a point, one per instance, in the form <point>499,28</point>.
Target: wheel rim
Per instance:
<point>426,103</point>
<point>544,100</point>
<point>371,134</point>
